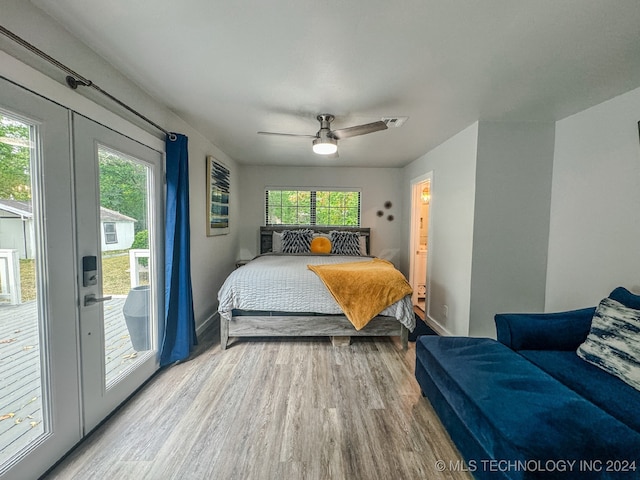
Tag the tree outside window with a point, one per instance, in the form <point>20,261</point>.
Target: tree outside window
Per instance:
<point>312,207</point>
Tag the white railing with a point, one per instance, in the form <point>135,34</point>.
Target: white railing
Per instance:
<point>10,277</point>
<point>135,268</point>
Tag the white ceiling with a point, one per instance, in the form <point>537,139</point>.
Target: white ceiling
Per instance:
<point>232,68</point>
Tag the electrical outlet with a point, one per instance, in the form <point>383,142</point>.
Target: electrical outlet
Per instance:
<point>445,311</point>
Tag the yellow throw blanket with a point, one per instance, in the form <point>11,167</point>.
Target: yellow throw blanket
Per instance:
<point>363,289</point>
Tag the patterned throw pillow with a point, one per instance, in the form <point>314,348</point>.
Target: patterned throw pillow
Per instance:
<point>613,343</point>
<point>344,243</point>
<point>296,241</point>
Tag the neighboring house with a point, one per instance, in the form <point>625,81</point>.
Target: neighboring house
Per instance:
<point>17,230</point>
<point>16,227</point>
<point>117,230</point>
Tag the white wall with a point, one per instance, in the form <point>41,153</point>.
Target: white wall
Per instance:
<point>490,202</point>
<point>14,232</point>
<point>377,185</point>
<point>511,224</point>
<point>212,257</point>
<point>453,164</point>
<point>595,214</point>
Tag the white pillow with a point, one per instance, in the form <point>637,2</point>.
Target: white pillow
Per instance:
<point>362,240</point>
<point>276,242</point>
<point>613,343</point>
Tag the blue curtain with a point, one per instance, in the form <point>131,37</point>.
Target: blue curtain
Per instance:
<point>180,328</point>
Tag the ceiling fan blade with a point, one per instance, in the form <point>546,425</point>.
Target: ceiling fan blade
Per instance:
<point>287,134</point>
<point>358,130</point>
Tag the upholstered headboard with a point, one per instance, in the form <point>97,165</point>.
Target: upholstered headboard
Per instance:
<point>266,234</point>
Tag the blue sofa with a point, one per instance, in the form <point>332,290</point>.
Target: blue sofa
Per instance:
<point>526,406</point>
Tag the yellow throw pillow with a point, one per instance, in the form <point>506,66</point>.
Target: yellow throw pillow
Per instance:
<point>321,245</point>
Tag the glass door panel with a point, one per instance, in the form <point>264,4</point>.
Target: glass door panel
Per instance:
<point>22,353</point>
<point>39,387</point>
<point>127,277</point>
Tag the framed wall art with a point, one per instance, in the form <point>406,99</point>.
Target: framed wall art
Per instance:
<point>218,190</point>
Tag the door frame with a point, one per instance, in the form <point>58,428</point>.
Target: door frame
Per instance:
<point>414,235</point>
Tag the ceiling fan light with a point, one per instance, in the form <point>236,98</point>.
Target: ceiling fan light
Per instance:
<point>326,146</point>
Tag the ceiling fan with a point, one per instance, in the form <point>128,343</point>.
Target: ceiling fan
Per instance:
<point>325,141</point>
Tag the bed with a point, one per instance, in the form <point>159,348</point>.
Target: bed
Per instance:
<point>277,295</point>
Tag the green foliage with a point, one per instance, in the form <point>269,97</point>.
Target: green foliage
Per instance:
<point>290,207</point>
<point>123,182</point>
<point>141,240</point>
<point>337,208</point>
<point>123,187</point>
<point>15,177</point>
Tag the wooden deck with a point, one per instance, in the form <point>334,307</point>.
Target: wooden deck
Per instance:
<point>21,418</point>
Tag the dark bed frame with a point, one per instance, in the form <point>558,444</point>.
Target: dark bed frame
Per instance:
<point>338,327</point>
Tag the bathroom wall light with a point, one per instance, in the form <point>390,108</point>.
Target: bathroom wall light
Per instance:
<point>426,195</point>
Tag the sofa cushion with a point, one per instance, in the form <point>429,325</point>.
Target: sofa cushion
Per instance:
<point>604,390</point>
<point>613,343</point>
<point>544,331</point>
<point>516,411</point>
<point>626,298</point>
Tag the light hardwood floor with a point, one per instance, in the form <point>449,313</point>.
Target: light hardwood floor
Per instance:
<point>274,409</point>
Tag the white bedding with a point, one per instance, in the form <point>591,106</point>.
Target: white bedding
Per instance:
<point>284,283</point>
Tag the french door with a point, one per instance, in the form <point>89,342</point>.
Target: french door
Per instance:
<point>40,396</point>
<point>79,223</point>
<point>118,182</point>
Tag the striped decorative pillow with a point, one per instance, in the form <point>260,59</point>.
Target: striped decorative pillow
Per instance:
<point>613,343</point>
<point>296,241</point>
<point>344,243</point>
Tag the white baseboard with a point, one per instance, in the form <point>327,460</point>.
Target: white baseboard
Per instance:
<point>436,327</point>
<point>207,323</point>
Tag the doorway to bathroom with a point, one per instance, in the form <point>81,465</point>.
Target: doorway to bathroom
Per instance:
<point>419,241</point>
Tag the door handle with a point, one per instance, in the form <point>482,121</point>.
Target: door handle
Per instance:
<point>92,300</point>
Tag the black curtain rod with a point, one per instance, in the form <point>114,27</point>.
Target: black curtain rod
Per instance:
<point>75,80</point>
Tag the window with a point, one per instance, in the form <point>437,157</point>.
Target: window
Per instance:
<point>110,234</point>
<point>312,207</point>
